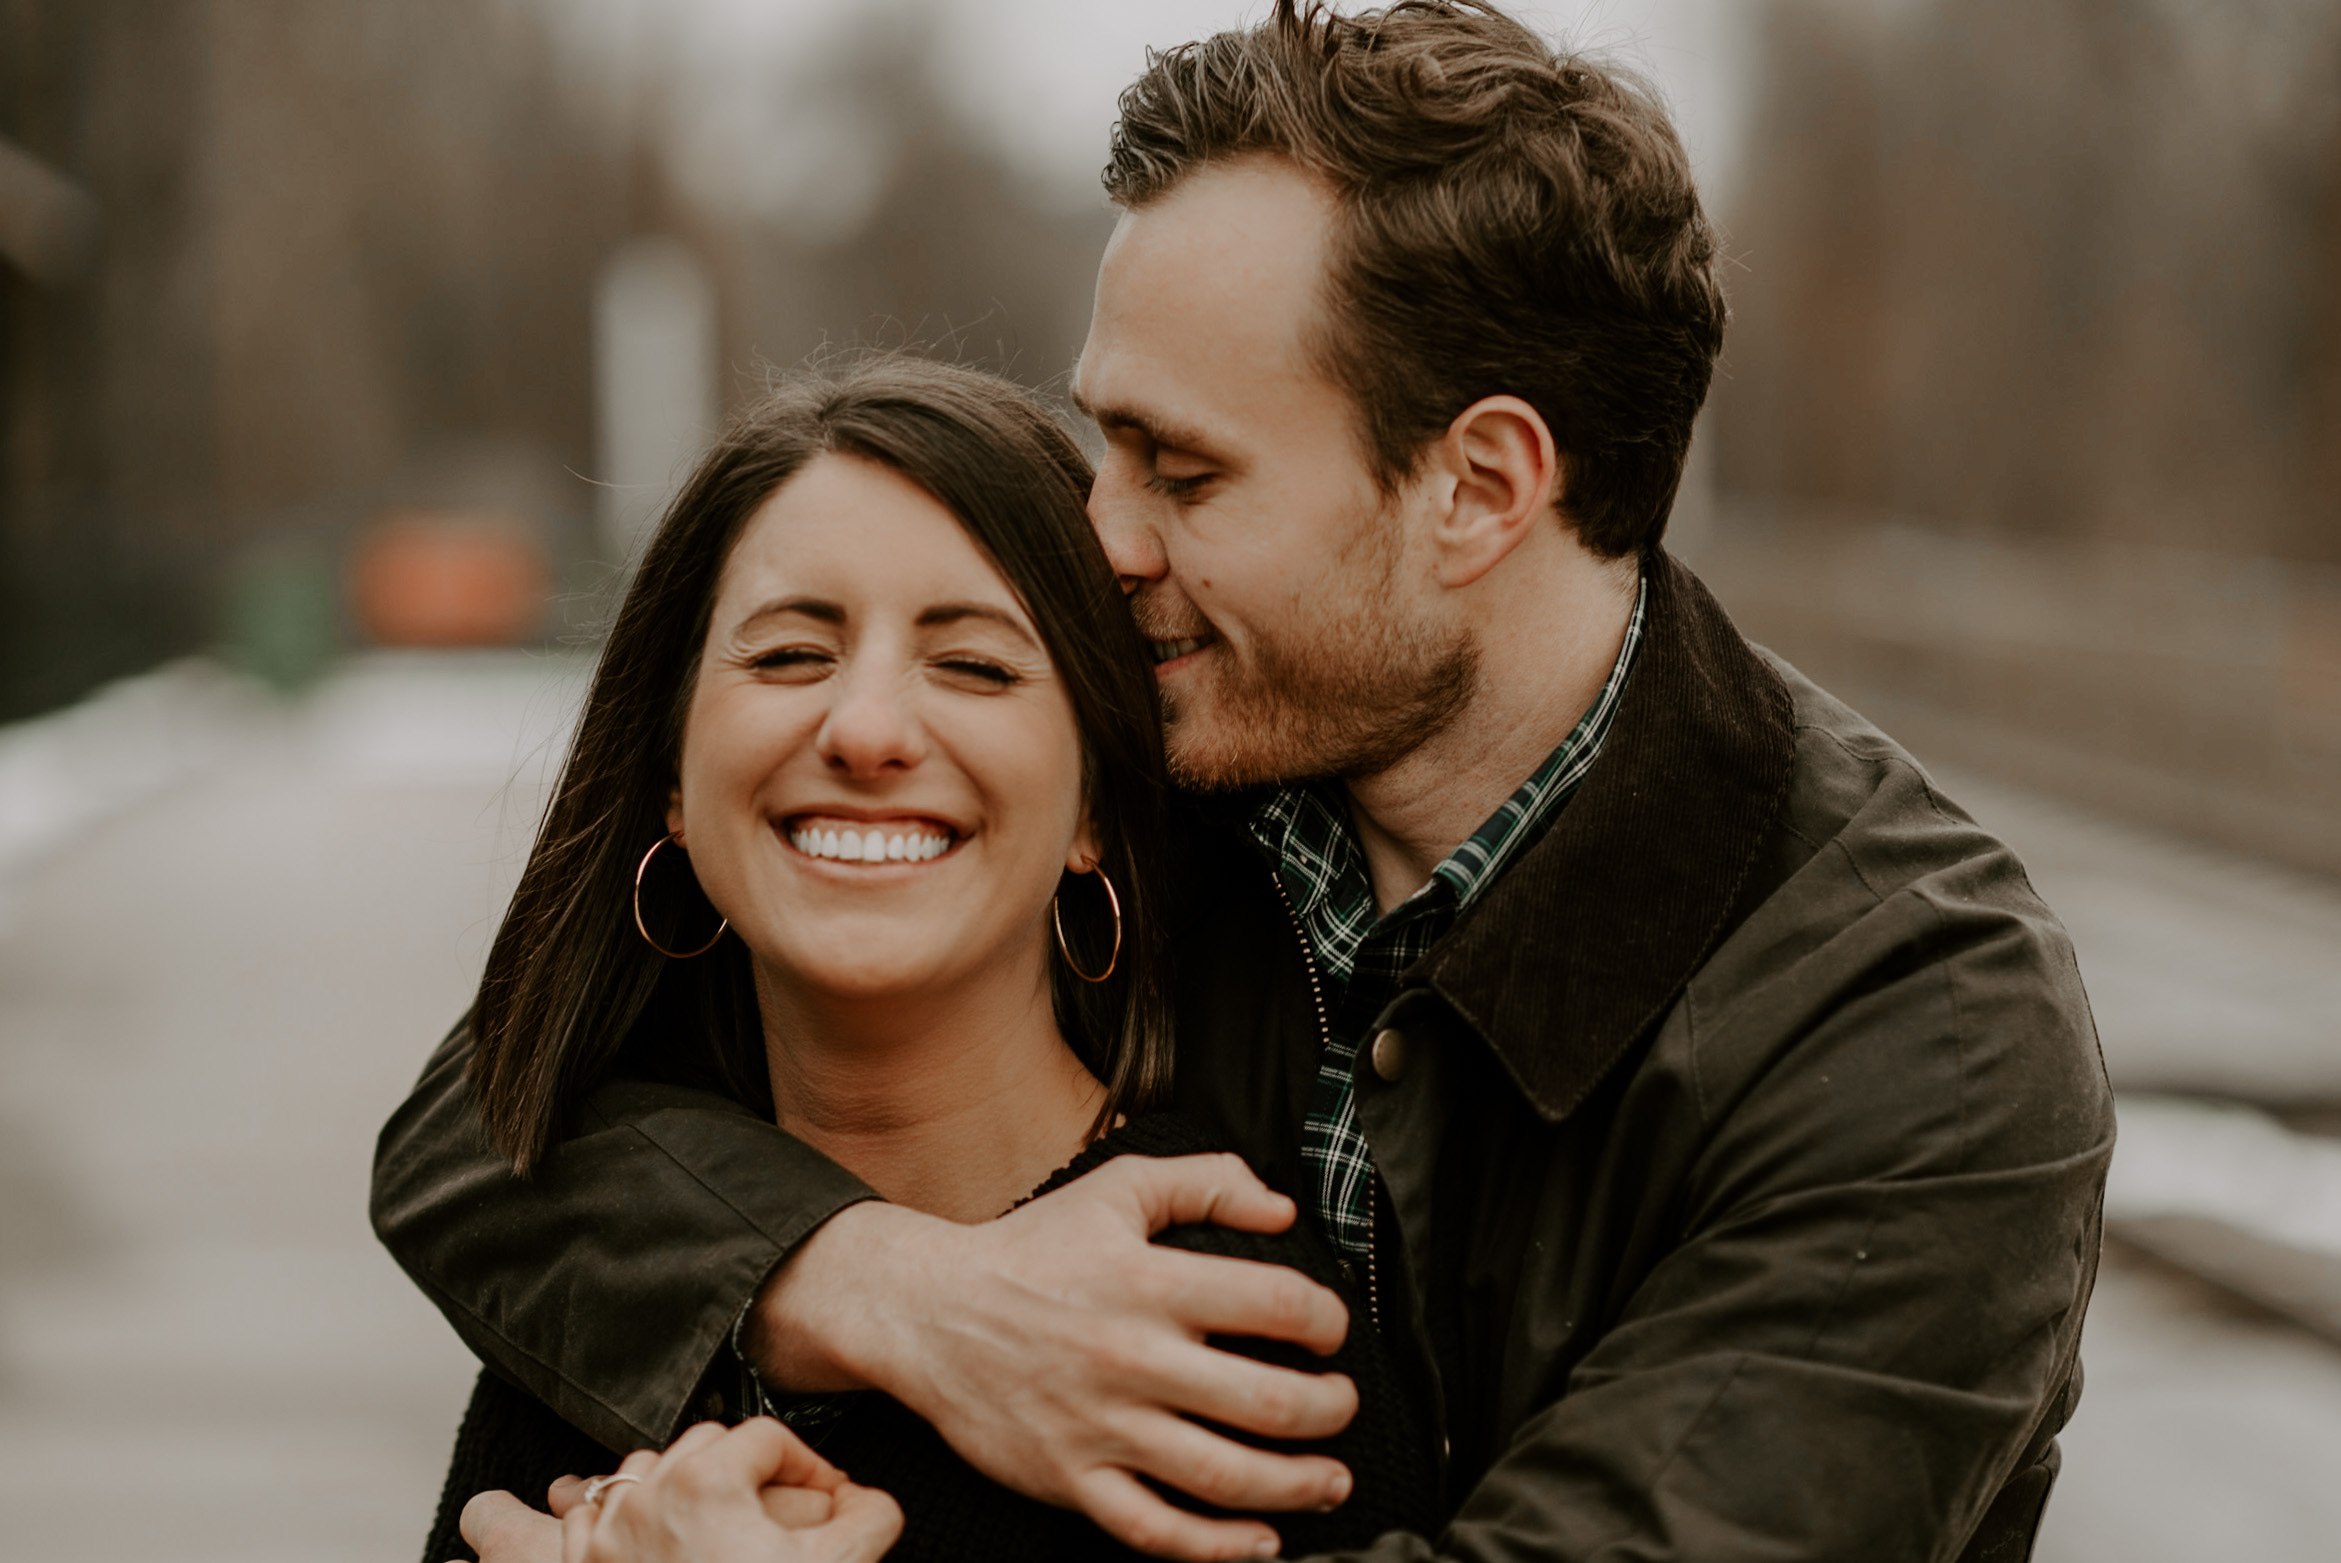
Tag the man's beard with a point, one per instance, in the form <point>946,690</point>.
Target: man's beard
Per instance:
<point>1346,694</point>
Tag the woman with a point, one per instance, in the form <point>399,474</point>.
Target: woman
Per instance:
<point>863,824</point>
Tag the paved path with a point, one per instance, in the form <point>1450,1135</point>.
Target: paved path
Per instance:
<point>2207,971</point>
<point>208,1003</point>
<point>2207,1429</point>
<point>207,1006</point>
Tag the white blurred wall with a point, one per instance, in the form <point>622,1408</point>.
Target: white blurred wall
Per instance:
<point>655,381</point>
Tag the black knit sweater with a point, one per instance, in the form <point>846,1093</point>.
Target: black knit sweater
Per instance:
<point>954,1514</point>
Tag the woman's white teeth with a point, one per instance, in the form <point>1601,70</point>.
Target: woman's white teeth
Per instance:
<point>870,846</point>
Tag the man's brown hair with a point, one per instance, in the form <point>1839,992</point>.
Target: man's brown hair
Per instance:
<point>1512,220</point>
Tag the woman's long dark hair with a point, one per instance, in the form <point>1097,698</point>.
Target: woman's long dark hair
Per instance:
<point>570,983</point>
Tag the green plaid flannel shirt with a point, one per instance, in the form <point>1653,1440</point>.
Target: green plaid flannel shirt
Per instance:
<point>1306,833</point>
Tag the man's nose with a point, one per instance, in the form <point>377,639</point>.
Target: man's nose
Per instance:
<point>1119,512</point>
<point>871,728</point>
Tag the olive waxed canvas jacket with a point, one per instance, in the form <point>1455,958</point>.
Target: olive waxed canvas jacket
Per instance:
<point>1743,1149</point>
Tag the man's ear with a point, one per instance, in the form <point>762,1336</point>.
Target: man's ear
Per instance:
<point>1505,476</point>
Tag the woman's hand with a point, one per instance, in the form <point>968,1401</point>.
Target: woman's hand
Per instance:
<point>754,1494</point>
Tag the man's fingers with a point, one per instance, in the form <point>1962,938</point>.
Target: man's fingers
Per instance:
<point>1127,1510</point>
<point>1181,1190</point>
<point>796,1508</point>
<point>1215,1295</point>
<point>693,1439</point>
<point>502,1529</point>
<point>865,1524</point>
<point>765,1453</point>
<point>1252,1397</point>
<point>1230,1475</point>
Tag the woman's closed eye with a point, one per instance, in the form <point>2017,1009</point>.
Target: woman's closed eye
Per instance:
<point>796,661</point>
<point>983,672</point>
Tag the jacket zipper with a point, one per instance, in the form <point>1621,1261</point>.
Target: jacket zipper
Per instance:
<point>1324,1041</point>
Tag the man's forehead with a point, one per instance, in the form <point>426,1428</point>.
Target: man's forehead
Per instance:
<point>1204,298</point>
<point>1252,210</point>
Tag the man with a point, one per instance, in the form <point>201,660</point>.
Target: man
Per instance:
<point>1709,1109</point>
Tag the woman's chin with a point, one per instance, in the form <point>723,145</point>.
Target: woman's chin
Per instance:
<point>866,972</point>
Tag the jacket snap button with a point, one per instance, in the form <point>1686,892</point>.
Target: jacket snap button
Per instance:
<point>1389,1054</point>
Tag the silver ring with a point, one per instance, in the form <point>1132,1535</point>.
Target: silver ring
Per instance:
<point>602,1484</point>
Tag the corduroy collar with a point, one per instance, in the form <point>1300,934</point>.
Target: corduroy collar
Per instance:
<point>1575,951</point>
<point>1584,942</point>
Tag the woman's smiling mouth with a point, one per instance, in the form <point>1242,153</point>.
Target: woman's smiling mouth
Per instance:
<point>869,841</point>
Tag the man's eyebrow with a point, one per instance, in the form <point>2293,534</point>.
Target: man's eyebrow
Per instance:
<point>944,613</point>
<point>1161,431</point>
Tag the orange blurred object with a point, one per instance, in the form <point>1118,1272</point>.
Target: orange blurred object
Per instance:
<point>449,578</point>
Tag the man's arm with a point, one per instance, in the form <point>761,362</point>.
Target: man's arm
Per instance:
<point>606,1284</point>
<point>1886,1161</point>
<point>1742,1409</point>
<point>1055,1348</point>
<point>1072,1355</point>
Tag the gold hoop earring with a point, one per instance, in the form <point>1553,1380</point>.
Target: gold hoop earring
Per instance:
<point>1112,960</point>
<point>642,868</point>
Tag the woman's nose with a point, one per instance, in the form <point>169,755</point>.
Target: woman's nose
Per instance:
<point>871,728</point>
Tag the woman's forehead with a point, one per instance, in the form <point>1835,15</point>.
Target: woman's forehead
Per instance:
<point>853,529</point>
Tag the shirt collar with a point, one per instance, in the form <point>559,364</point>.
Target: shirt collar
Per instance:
<point>1522,817</point>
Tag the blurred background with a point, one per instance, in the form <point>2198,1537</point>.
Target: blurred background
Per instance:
<point>348,346</point>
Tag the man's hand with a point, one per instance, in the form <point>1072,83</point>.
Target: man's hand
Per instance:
<point>1062,1354</point>
<point>754,1494</point>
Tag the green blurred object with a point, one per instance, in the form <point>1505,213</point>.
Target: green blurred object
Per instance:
<point>283,613</point>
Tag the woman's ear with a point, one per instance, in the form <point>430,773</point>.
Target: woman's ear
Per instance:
<point>1085,853</point>
<point>675,815</point>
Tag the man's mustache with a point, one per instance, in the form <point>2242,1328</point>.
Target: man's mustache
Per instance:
<point>1175,619</point>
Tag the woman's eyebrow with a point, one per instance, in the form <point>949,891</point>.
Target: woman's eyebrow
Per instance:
<point>819,608</point>
<point>953,612</point>
<point>827,612</point>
